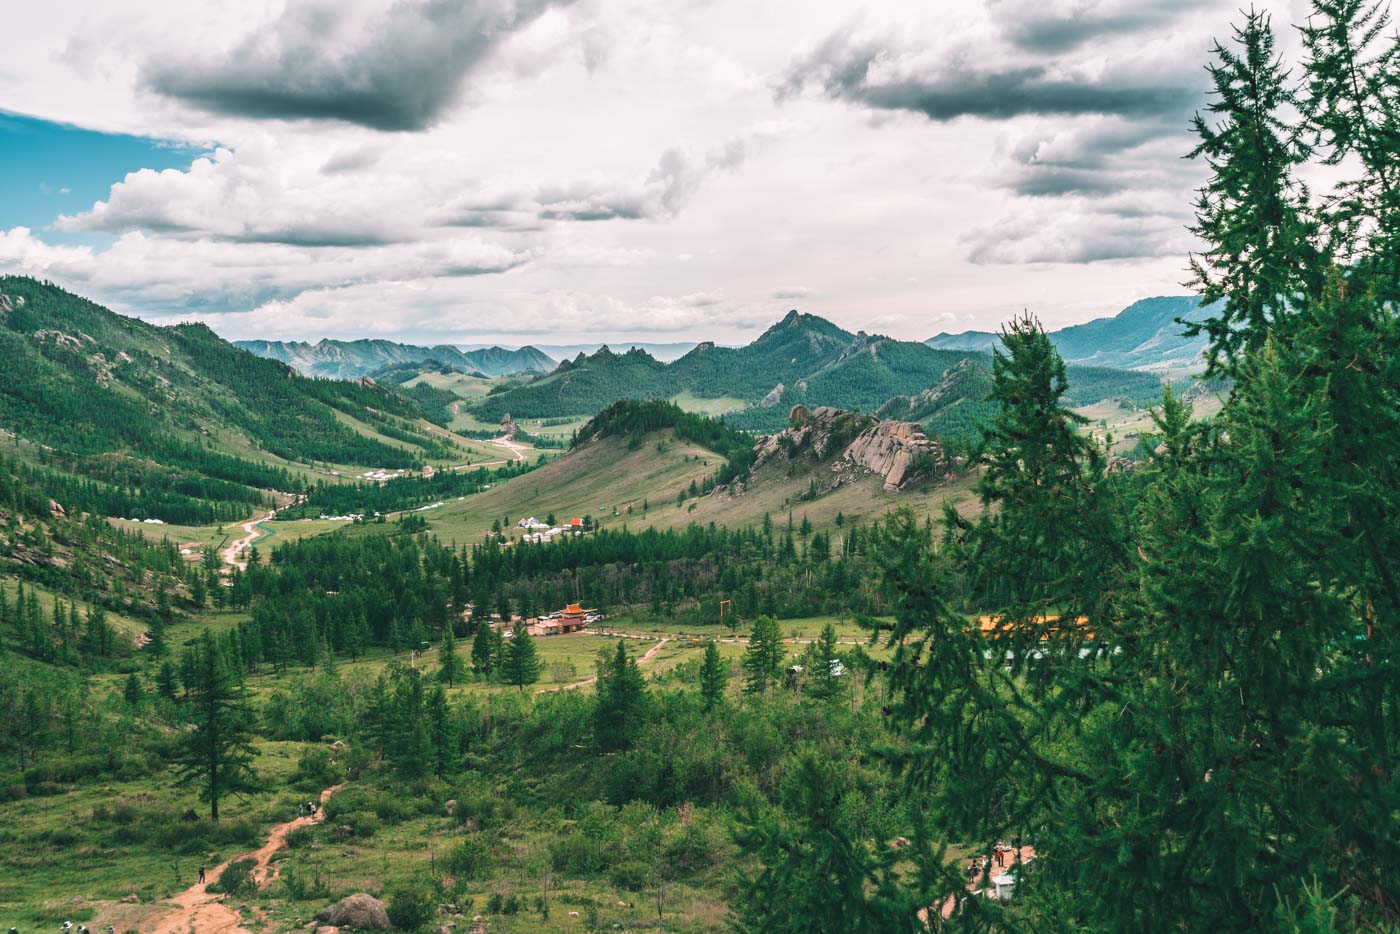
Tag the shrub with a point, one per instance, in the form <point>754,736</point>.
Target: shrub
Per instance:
<point>315,770</point>
<point>410,907</point>
<point>236,878</point>
<point>471,857</point>
<point>391,809</point>
<point>361,824</point>
<point>632,875</point>
<point>299,889</point>
<point>487,809</point>
<point>299,838</point>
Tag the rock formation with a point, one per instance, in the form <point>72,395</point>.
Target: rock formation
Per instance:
<point>362,912</point>
<point>894,450</point>
<point>508,427</point>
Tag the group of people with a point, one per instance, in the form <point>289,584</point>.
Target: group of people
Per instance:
<point>1003,854</point>
<point>308,809</point>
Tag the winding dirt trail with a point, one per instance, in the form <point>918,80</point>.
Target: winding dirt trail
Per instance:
<point>515,449</point>
<point>198,911</point>
<point>232,552</point>
<point>646,657</point>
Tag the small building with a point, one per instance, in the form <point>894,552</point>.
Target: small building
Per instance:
<point>573,618</point>
<point>531,524</point>
<point>576,523</point>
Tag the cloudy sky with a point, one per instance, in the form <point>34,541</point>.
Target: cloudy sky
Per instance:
<point>544,170</point>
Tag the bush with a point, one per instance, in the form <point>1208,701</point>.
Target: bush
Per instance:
<point>392,809</point>
<point>301,890</point>
<point>486,809</point>
<point>632,875</point>
<point>363,825</point>
<point>410,907</point>
<point>299,838</point>
<point>469,859</point>
<point>236,878</point>
<point>315,770</point>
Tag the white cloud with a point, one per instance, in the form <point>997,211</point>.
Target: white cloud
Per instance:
<point>616,168</point>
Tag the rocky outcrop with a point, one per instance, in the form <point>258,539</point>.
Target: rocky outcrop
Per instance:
<point>894,450</point>
<point>8,303</point>
<point>66,341</point>
<point>817,433</point>
<point>858,445</point>
<point>775,395</point>
<point>508,427</point>
<point>360,911</point>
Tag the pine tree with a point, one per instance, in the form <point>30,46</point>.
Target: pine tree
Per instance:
<point>522,661</point>
<point>450,666</point>
<point>132,692</point>
<point>357,636</point>
<point>763,659</point>
<point>217,754</point>
<point>167,685</point>
<point>408,737</point>
<point>155,634</point>
<point>623,701</point>
<point>714,677</point>
<point>824,666</point>
<point>442,730</point>
<point>1259,254</point>
<point>1352,84</point>
<point>484,650</point>
<point>817,874</point>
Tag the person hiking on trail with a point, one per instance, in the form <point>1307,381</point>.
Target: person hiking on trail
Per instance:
<point>301,810</point>
<point>201,875</point>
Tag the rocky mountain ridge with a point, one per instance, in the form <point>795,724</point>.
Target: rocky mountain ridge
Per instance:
<point>857,445</point>
<point>336,359</point>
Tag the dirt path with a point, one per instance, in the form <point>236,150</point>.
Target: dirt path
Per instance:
<point>232,552</point>
<point>515,449</point>
<point>202,912</point>
<point>517,453</point>
<point>646,657</point>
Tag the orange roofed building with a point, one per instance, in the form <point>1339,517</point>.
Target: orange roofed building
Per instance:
<point>570,619</point>
<point>1048,626</point>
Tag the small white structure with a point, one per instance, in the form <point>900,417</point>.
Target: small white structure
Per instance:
<point>1004,884</point>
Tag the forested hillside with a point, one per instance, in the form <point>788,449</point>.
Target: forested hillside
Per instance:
<point>583,386</point>
<point>175,423</point>
<point>803,359</point>
<point>1046,688</point>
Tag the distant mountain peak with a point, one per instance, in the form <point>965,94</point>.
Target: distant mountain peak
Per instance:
<point>1143,336</point>
<point>351,359</point>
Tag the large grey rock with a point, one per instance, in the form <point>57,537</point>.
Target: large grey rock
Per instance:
<point>359,911</point>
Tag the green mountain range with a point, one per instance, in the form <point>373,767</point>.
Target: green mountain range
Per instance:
<point>132,419</point>
<point>1143,336</point>
<point>801,359</point>
<point>352,359</point>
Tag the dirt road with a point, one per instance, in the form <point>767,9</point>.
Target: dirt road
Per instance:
<point>231,554</point>
<point>515,449</point>
<point>202,912</point>
<point>646,657</point>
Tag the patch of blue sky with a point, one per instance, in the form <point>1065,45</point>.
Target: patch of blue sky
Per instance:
<point>49,168</point>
